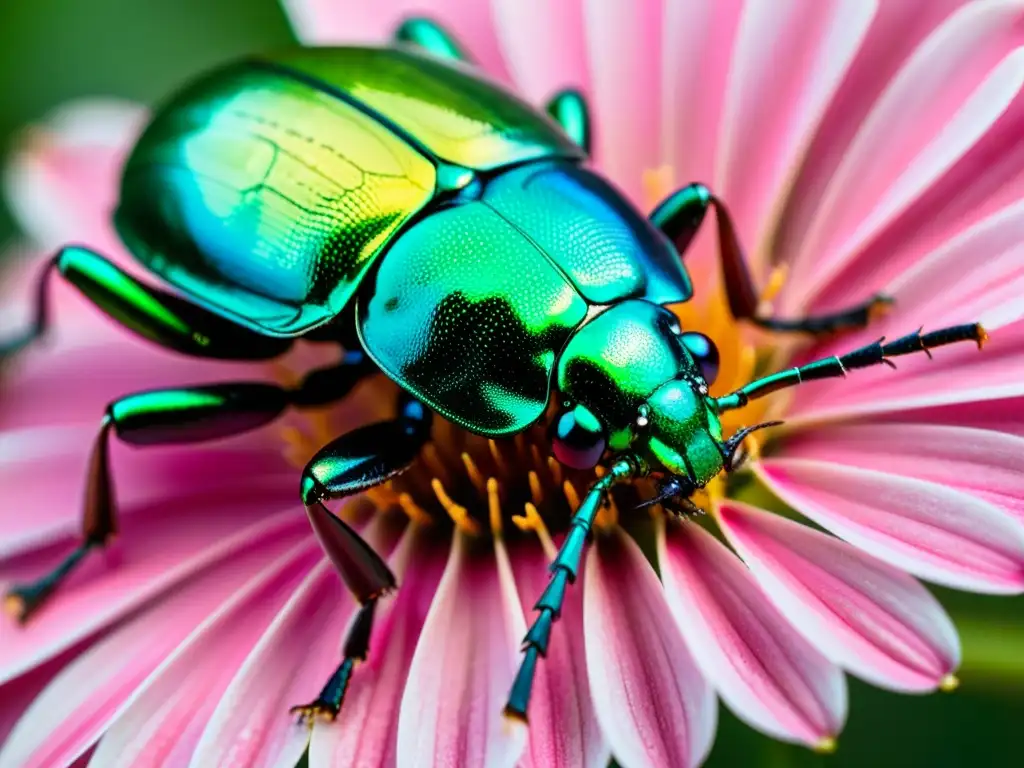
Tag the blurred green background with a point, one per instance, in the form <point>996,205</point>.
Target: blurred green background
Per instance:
<point>53,50</point>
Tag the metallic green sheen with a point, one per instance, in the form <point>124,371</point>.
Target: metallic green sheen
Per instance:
<point>615,362</point>
<point>267,199</point>
<point>431,37</point>
<point>468,315</point>
<point>586,228</point>
<point>445,106</point>
<point>569,109</point>
<point>683,432</point>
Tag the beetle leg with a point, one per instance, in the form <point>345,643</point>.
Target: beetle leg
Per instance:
<point>563,573</point>
<point>431,37</point>
<point>679,217</point>
<point>362,458</point>
<point>569,109</point>
<point>160,317</point>
<point>878,353</point>
<point>175,416</point>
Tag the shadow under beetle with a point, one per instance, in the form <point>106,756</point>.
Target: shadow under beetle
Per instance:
<point>443,232</point>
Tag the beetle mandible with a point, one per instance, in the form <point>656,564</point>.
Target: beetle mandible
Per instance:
<point>441,230</point>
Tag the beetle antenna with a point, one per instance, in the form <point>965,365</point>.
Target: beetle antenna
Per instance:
<point>732,445</point>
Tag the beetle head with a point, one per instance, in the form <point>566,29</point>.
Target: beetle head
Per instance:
<point>631,382</point>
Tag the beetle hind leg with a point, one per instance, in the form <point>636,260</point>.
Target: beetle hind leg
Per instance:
<point>679,217</point>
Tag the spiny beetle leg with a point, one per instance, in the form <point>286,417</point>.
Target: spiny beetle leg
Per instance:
<point>176,416</point>
<point>160,317</point>
<point>431,37</point>
<point>569,109</point>
<point>878,353</point>
<point>360,459</point>
<point>328,702</point>
<point>564,570</point>
<point>679,217</point>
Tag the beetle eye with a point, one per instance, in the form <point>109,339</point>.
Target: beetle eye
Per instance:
<point>704,352</point>
<point>577,439</point>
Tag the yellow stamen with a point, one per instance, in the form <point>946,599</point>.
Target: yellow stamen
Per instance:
<point>555,469</point>
<point>499,460</point>
<point>776,280</point>
<point>434,464</point>
<point>571,495</point>
<point>949,683</point>
<point>657,184</point>
<point>458,513</point>
<point>415,512</point>
<point>382,497</point>
<point>536,492</point>
<point>474,474</point>
<point>494,506</point>
<point>532,521</point>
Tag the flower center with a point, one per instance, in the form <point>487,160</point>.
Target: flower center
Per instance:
<point>483,486</point>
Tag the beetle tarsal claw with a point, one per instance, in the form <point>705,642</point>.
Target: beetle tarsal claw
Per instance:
<point>308,713</point>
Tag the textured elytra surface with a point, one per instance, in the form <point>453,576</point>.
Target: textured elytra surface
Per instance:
<point>447,107</point>
<point>602,244</point>
<point>469,315</point>
<point>267,199</point>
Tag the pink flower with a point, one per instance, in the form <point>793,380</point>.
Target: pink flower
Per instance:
<point>861,147</point>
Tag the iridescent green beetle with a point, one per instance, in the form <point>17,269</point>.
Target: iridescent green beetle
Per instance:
<point>441,231</point>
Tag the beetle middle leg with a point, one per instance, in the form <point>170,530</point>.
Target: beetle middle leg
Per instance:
<point>177,416</point>
<point>360,459</point>
<point>679,217</point>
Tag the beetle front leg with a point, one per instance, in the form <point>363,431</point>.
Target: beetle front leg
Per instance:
<point>563,569</point>
<point>679,217</point>
<point>160,317</point>
<point>360,459</point>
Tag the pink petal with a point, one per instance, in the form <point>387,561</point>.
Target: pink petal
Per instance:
<point>564,732</point>
<point>941,534</point>
<point>624,42</point>
<point>654,706</point>
<point>1004,415</point>
<point>18,694</point>
<point>697,49</point>
<point>542,57</point>
<point>895,32</point>
<point>983,462</point>
<point>867,616</point>
<point>788,60</point>
<point>364,734</point>
<point>955,85</point>
<point>289,665</point>
<point>28,458</point>
<point>464,665</point>
<point>164,719</point>
<point>336,22</point>
<point>76,708</point>
<point>758,663</point>
<point>155,554</point>
<point>62,184</point>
